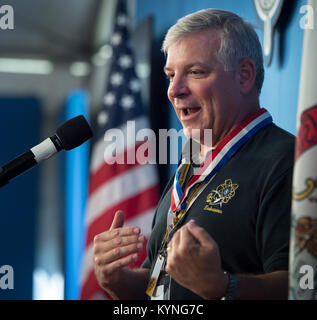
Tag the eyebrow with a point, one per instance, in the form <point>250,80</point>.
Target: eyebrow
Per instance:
<point>188,66</point>
<point>165,69</point>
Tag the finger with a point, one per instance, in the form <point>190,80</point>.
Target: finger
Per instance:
<point>120,241</point>
<point>200,234</point>
<point>173,250</point>
<point>118,232</point>
<point>175,240</point>
<point>118,220</point>
<point>118,253</point>
<point>186,238</point>
<point>121,263</point>
<point>186,242</point>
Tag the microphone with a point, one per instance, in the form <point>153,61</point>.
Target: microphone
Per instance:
<point>69,135</point>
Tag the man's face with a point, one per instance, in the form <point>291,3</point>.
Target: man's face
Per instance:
<point>202,93</point>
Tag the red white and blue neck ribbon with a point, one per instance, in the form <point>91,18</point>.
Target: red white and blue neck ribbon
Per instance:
<point>218,157</point>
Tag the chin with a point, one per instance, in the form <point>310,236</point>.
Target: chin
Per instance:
<point>187,132</point>
<point>191,133</point>
<point>202,136</point>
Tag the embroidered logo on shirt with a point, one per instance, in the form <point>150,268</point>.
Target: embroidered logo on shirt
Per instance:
<point>223,193</point>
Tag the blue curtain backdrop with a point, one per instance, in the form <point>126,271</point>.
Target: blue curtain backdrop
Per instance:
<point>19,131</point>
<point>76,169</point>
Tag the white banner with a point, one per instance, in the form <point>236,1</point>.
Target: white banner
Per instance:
<point>303,246</point>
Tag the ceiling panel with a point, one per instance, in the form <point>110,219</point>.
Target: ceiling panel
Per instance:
<point>59,29</point>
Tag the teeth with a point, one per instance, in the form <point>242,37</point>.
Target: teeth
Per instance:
<point>191,110</point>
<point>188,111</point>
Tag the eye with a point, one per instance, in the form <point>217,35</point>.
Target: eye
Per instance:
<point>170,76</point>
<point>196,72</point>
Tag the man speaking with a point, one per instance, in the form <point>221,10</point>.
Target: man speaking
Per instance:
<point>221,231</point>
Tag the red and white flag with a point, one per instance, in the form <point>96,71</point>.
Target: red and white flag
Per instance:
<point>118,181</point>
<point>303,248</point>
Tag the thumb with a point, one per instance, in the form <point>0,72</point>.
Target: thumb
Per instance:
<point>118,220</point>
<point>200,233</point>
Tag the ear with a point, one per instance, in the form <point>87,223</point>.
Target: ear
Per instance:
<point>246,72</point>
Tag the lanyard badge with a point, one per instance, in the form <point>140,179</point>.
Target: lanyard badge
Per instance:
<point>158,267</point>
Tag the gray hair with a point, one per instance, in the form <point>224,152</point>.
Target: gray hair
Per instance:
<point>238,38</point>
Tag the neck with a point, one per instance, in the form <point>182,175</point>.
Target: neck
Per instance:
<point>204,149</point>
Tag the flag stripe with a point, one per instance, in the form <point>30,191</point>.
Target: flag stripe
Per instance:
<point>144,201</point>
<point>100,154</point>
<point>89,287</point>
<point>120,188</point>
<point>107,171</point>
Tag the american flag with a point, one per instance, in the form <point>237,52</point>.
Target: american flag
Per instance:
<point>131,187</point>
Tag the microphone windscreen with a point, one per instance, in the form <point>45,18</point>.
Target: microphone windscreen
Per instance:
<point>74,132</point>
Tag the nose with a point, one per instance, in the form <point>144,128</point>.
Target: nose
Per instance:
<point>178,87</point>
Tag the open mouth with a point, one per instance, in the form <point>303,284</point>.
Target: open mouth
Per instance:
<point>188,113</point>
